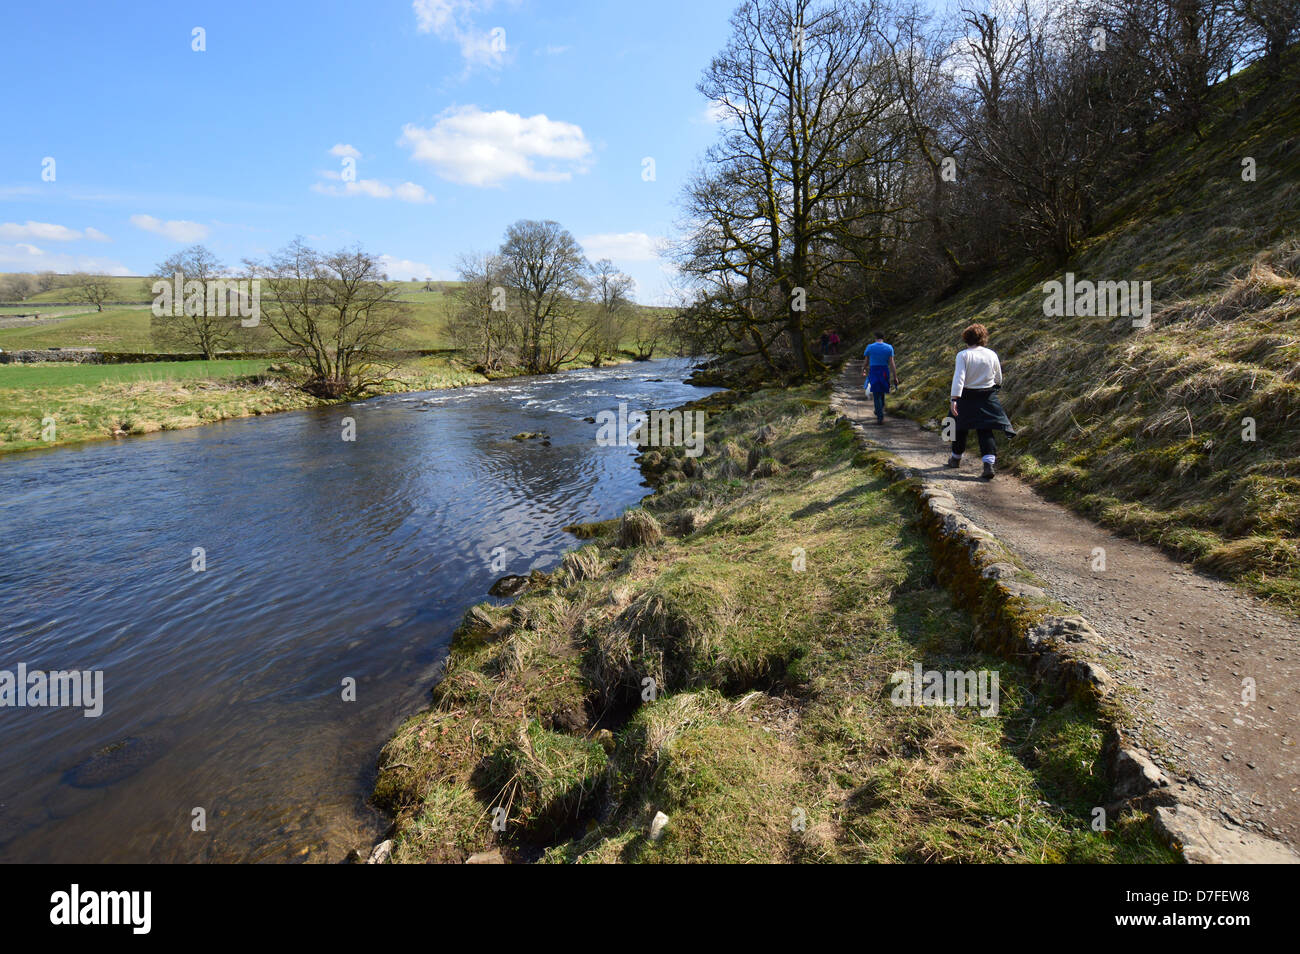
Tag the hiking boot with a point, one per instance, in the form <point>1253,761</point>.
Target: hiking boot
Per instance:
<point>952,462</point>
<point>988,472</point>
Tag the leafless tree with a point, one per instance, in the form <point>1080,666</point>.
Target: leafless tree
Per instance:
<point>92,289</point>
<point>800,86</point>
<point>1273,23</point>
<point>197,320</point>
<point>17,286</point>
<point>336,313</point>
<point>544,271</point>
<point>611,292</point>
<point>480,324</point>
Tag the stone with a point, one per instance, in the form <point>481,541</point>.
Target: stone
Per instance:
<point>381,852</point>
<point>999,571</point>
<point>1022,590</point>
<point>657,825</point>
<point>509,585</point>
<point>493,857</point>
<point>118,760</point>
<point>1136,774</point>
<point>1206,842</point>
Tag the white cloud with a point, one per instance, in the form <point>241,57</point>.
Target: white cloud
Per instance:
<point>25,257</point>
<point>46,231</point>
<point>403,269</point>
<point>718,111</point>
<point>343,149</point>
<point>95,235</point>
<point>178,230</point>
<point>622,246</point>
<point>373,188</point>
<point>472,147</point>
<point>453,21</point>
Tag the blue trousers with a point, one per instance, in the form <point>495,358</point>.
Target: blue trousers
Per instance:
<point>878,399</point>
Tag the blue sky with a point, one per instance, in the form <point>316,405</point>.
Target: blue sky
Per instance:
<point>452,118</point>
<point>460,117</point>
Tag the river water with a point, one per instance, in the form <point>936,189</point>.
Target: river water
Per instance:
<point>326,562</point>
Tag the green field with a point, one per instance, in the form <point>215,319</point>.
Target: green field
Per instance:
<point>116,329</point>
<point>90,402</point>
<point>55,375</point>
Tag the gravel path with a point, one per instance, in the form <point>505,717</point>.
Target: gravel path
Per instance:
<point>1187,641</point>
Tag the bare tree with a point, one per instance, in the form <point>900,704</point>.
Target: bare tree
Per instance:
<point>480,325</point>
<point>1274,23</point>
<point>800,85</point>
<point>336,313</point>
<point>611,292</point>
<point>650,332</point>
<point>17,286</point>
<point>92,289</point>
<point>198,314</point>
<point>1044,118</point>
<point>1184,46</point>
<point>544,270</point>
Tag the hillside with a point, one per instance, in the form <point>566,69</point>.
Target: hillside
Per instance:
<point>126,327</point>
<point>1146,429</point>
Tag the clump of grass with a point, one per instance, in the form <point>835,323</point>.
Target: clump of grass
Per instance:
<point>639,528</point>
<point>582,564</point>
<point>542,779</point>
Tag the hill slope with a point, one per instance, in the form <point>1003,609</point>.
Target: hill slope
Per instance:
<point>1146,428</point>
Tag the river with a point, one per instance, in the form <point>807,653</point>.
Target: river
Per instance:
<point>324,563</point>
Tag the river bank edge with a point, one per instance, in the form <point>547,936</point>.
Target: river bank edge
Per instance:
<point>542,744</point>
<point>278,396</point>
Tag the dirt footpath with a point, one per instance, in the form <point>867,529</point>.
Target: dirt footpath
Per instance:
<point>1186,642</point>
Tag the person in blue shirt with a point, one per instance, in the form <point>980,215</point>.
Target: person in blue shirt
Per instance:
<point>879,370</point>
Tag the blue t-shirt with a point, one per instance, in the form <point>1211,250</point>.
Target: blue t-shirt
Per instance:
<point>878,354</point>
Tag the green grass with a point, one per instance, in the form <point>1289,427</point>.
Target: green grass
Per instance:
<point>55,375</point>
<point>116,329</point>
<point>772,737</point>
<point>89,402</point>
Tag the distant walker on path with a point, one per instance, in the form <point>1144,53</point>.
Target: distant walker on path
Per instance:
<point>975,406</point>
<point>879,370</point>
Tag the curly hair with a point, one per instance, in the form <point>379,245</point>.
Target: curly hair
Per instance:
<point>975,336</point>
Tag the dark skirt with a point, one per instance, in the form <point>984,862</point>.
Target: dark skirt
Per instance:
<point>979,410</point>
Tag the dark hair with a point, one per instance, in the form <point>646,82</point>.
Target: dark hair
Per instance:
<point>975,335</point>
<point>879,336</point>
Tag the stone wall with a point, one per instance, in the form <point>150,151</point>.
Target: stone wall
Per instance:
<point>72,355</point>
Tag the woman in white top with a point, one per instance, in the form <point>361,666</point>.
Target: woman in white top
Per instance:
<point>975,406</point>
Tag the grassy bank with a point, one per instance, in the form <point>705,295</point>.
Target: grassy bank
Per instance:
<point>771,735</point>
<point>1146,429</point>
<point>92,402</point>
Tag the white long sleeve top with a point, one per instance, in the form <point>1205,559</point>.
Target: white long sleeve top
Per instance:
<point>976,368</point>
